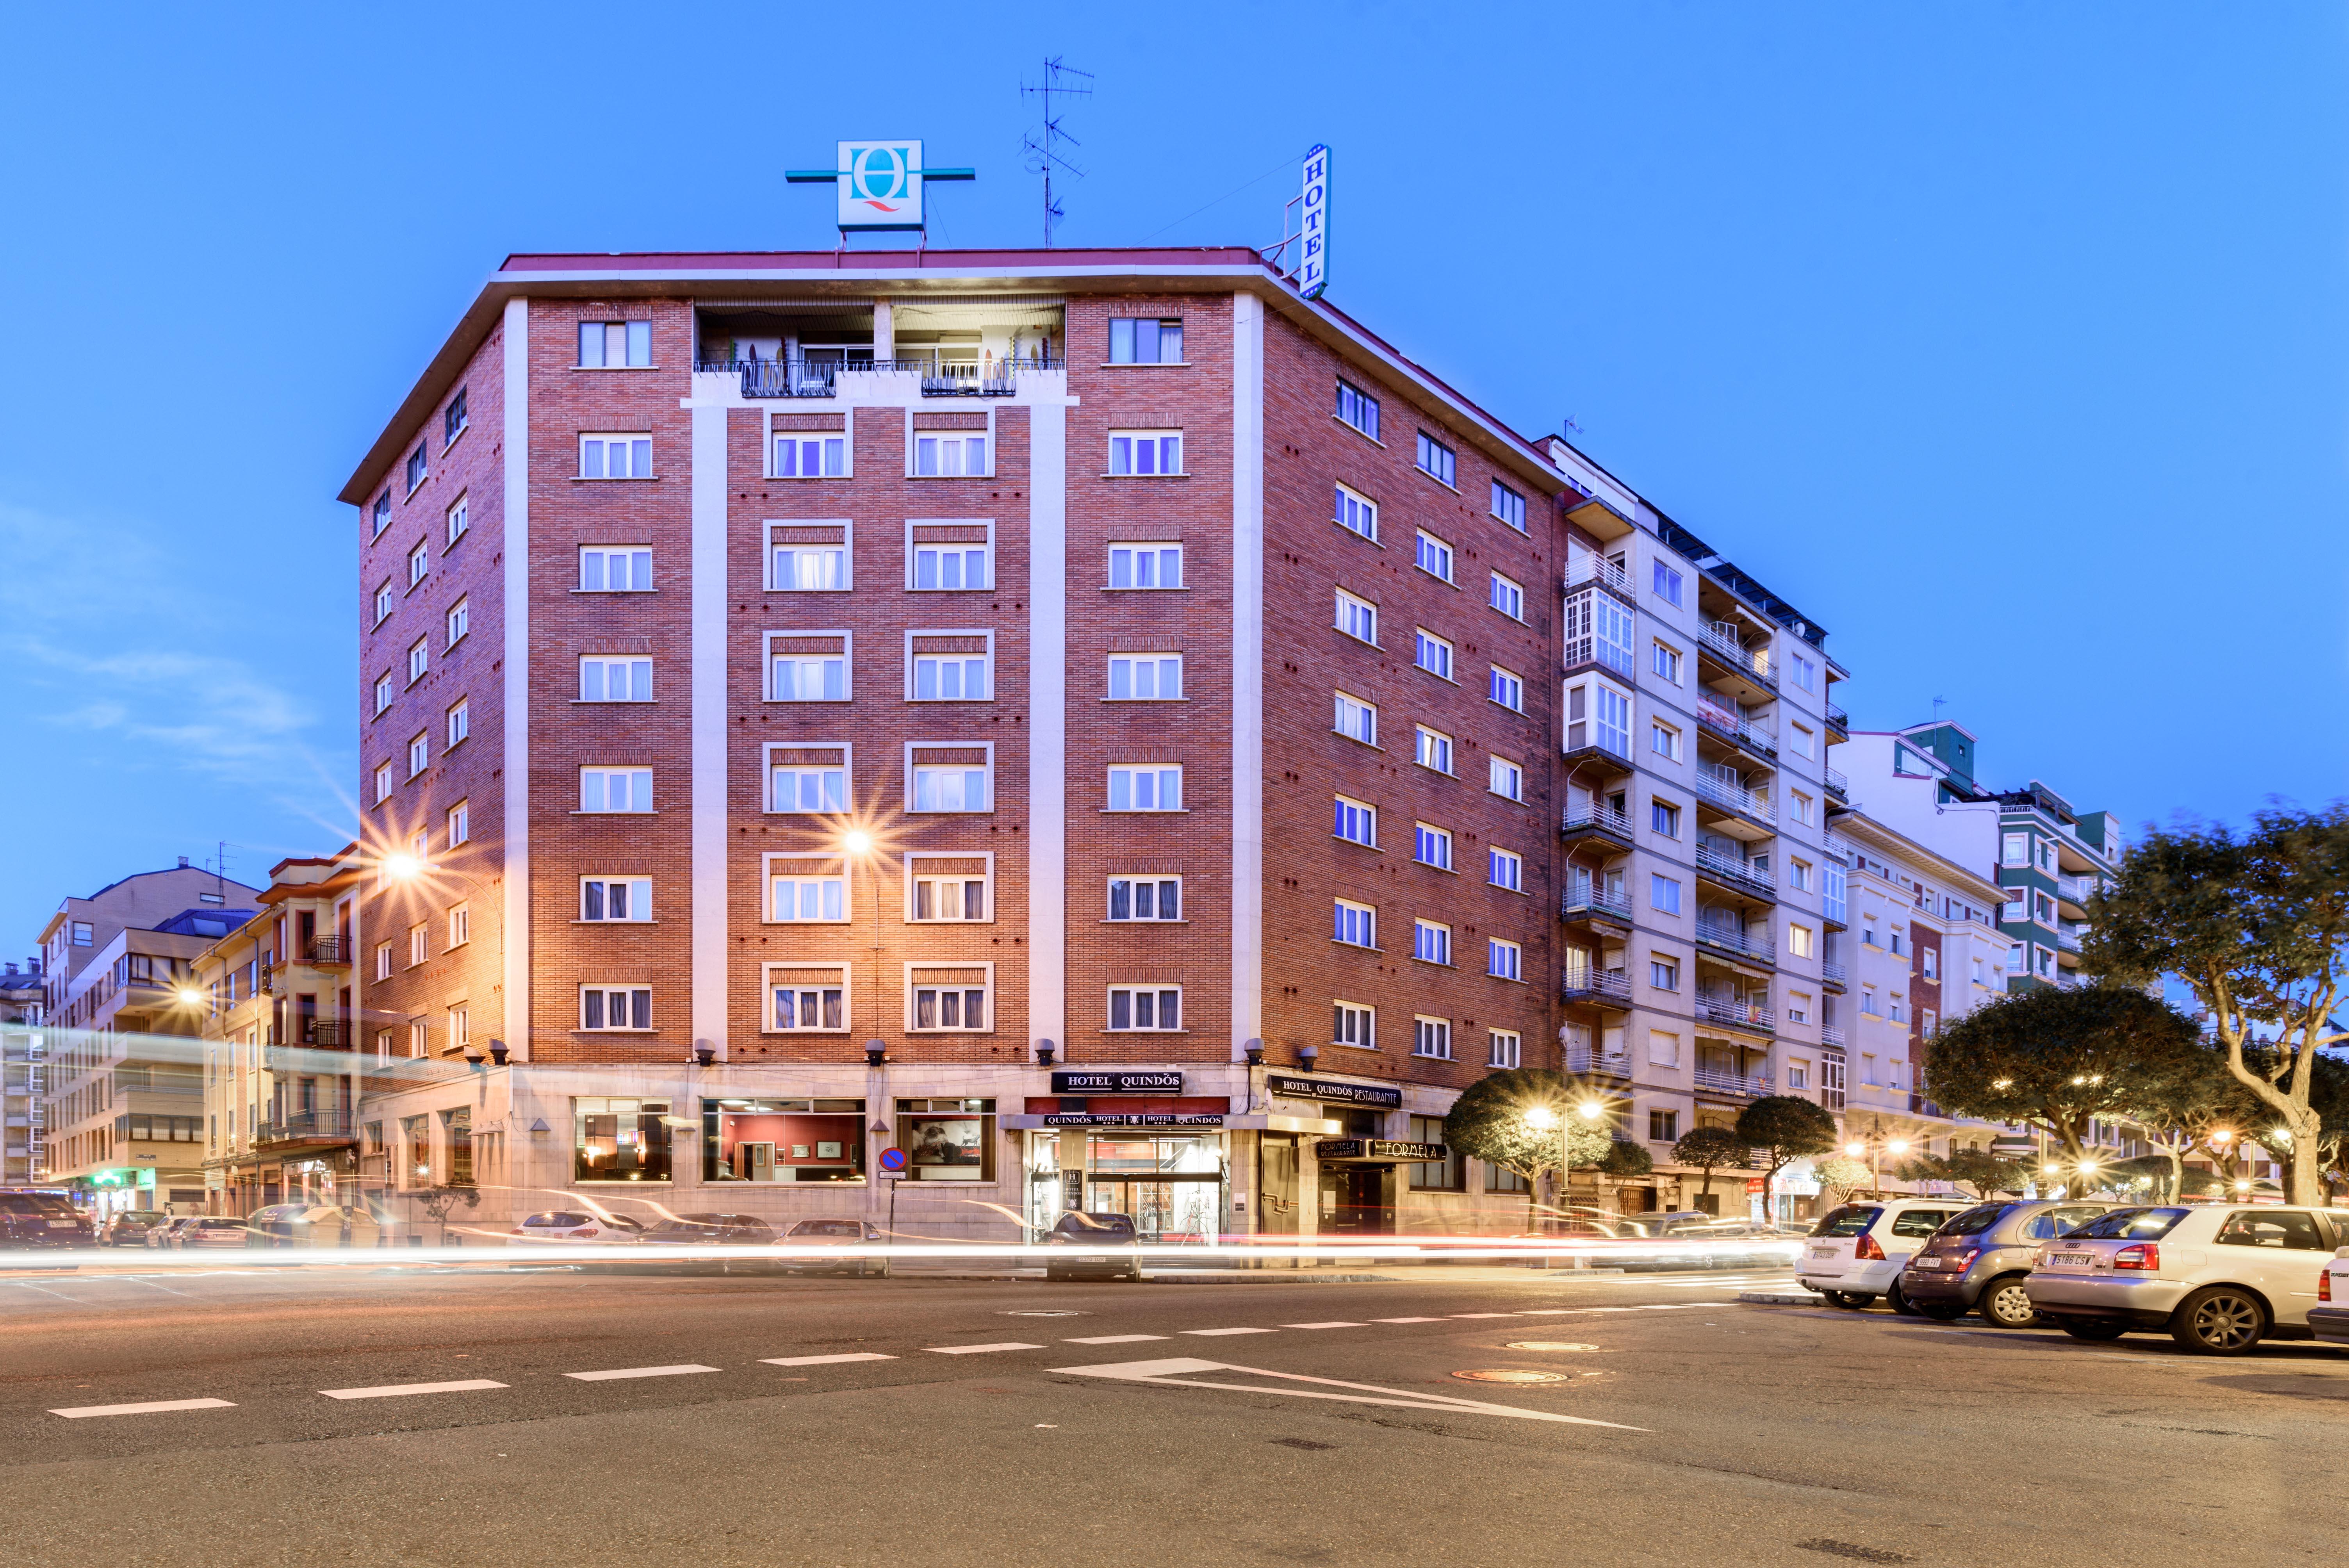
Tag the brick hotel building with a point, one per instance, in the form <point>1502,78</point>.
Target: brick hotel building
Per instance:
<point>833,699</point>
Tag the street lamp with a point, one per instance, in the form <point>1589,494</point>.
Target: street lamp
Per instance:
<point>1541,1118</point>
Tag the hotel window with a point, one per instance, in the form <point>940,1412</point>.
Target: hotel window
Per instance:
<point>382,693</point>
<point>1145,452</point>
<point>949,557</point>
<point>1145,566</point>
<point>1357,514</point>
<point>417,467</point>
<point>1433,750</point>
<point>606,680</point>
<point>1434,459</point>
<point>460,925</point>
<point>1146,677</point>
<point>1508,690</point>
<point>419,562</point>
<point>461,720</point>
<point>1929,1022</point>
<point>1140,340</point>
<point>619,1140</point>
<point>2042,908</point>
<point>1356,719</point>
<point>420,753</point>
<point>1432,1037</point>
<point>1504,869</point>
<point>1139,1007</point>
<point>937,454</point>
<point>460,823</point>
<point>452,419</point>
<point>383,511</point>
<point>382,602</point>
<point>1357,823</point>
<point>807,998</point>
<point>611,1007</point>
<point>1663,893</point>
<point>948,888</point>
<point>1664,818</point>
<point>615,344</point>
<point>950,666</point>
<point>807,890</point>
<point>808,667</point>
<point>1157,899</point>
<point>419,659</point>
<point>606,791</point>
<point>1798,941</point>
<point>383,961</point>
<point>1663,974</point>
<point>1354,924</point>
<point>615,569</point>
<point>1433,556</point>
<point>1358,408</point>
<point>461,621</point>
<point>616,457</point>
<point>950,778</point>
<point>1668,664</point>
<point>616,899</point>
<point>1509,505</point>
<point>944,998</point>
<point>1354,1024</point>
<point>1667,583</point>
<point>1504,1048</point>
<point>458,519</point>
<point>804,457</point>
<point>813,781</point>
<point>1507,779</point>
<point>1431,846</point>
<point>1145,789</point>
<point>1867,1006</point>
<point>807,559</point>
<point>1431,942</point>
<point>1504,960</point>
<point>1508,597</point>
<point>1806,742</point>
<point>1664,740</point>
<point>1358,618</point>
<point>419,944</point>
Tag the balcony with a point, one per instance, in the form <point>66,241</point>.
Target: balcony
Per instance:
<point>1609,1063</point>
<point>1838,723</point>
<point>1833,975</point>
<point>328,953</point>
<point>1736,798</point>
<point>1838,786</point>
<point>1733,939</point>
<point>305,1126</point>
<point>1595,821</point>
<point>1593,901</point>
<point>1736,875</point>
<point>1720,1007</point>
<point>1831,1034</point>
<point>1719,641</point>
<point>941,376</point>
<point>1609,988</point>
<point>1722,1081</point>
<point>1728,725</point>
<point>1591,649</point>
<point>1834,914</point>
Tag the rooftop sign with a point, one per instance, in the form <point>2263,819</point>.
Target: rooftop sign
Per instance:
<point>879,184</point>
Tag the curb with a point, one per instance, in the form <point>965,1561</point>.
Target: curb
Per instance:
<point>1782,1298</point>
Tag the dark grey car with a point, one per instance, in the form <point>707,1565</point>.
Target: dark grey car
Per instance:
<point>1979,1259</point>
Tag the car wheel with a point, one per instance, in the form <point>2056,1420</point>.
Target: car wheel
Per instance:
<point>1850,1300</point>
<point>1898,1300</point>
<point>1940,1311</point>
<point>2095,1328</point>
<point>2004,1304</point>
<point>2218,1320</point>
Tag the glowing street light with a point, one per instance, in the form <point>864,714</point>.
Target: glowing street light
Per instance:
<point>856,842</point>
<point>401,867</point>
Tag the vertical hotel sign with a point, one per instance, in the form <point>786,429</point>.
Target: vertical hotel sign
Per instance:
<point>1313,266</point>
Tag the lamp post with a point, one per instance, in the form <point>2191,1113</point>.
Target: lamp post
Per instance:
<point>1541,1118</point>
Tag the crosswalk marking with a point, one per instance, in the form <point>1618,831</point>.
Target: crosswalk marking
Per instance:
<point>1406,1320</point>
<point>825,1360</point>
<point>391,1390</point>
<point>1324,1326</point>
<point>1114,1339</point>
<point>637,1372</point>
<point>1485,1315</point>
<point>1211,1333</point>
<point>83,1411</point>
<point>977,1350</point>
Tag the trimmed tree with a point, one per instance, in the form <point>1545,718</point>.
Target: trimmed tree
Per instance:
<point>1626,1161</point>
<point>2257,926</point>
<point>1841,1176</point>
<point>1493,1121</point>
<point>438,1201</point>
<point>1785,1127</point>
<point>2056,1057</point>
<point>1978,1169</point>
<point>1710,1148</point>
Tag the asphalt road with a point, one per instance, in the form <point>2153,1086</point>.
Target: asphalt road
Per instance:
<point>1021,1422</point>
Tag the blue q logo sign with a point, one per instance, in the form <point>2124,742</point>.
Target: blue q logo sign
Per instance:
<point>880,184</point>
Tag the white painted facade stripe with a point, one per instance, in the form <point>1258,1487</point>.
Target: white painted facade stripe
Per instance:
<point>708,568</point>
<point>1047,723</point>
<point>84,1411</point>
<point>1247,672</point>
<point>620,1372</point>
<point>515,746</point>
<point>394,1390</point>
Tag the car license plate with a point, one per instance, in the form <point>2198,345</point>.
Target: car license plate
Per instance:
<point>1822,1252</point>
<point>1926,1264</point>
<point>1100,1258</point>
<point>63,1225</point>
<point>2087,1258</point>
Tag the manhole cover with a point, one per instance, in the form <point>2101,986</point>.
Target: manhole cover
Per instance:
<point>1044,1314</point>
<point>1548,1344</point>
<point>1507,1375</point>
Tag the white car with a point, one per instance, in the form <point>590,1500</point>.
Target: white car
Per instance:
<point>2329,1319</point>
<point>573,1225</point>
<point>1856,1253</point>
<point>2219,1279</point>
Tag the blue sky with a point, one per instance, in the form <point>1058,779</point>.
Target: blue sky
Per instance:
<point>2008,341</point>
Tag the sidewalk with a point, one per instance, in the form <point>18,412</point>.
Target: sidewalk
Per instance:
<point>1360,1274</point>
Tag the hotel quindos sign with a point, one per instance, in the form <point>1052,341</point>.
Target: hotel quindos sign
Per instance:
<point>879,184</point>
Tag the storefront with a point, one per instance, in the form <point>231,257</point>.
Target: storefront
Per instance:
<point>794,1140</point>
<point>615,1139</point>
<point>1176,1183</point>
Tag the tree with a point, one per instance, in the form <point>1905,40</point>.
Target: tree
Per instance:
<point>2257,926</point>
<point>1626,1161</point>
<point>1708,1149</point>
<point>1497,1120</point>
<point>1785,1127</point>
<point>1979,1168</point>
<point>2056,1057</point>
<point>1840,1176</point>
<point>438,1201</point>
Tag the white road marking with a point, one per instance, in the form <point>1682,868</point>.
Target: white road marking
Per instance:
<point>1643,1306</point>
<point>977,1350</point>
<point>1212,1333</point>
<point>1114,1339</point>
<point>826,1360</point>
<point>85,1410</point>
<point>1406,1320</point>
<point>1325,1325</point>
<point>637,1372</point>
<point>1165,1374</point>
<point>391,1390</point>
<point>1487,1315</point>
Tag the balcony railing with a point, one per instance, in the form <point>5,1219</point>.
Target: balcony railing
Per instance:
<point>1736,727</point>
<point>1832,973</point>
<point>2067,941</point>
<point>1583,1060</point>
<point>1601,985</point>
<point>1733,939</point>
<point>1721,1081</point>
<point>1736,873</point>
<point>1838,718</point>
<point>1597,819</point>
<point>1716,1008</point>
<point>1736,798</point>
<point>1720,638</point>
<point>1831,1034</point>
<point>1593,902</point>
<point>1596,569</point>
<point>305,1126</point>
<point>1837,785</point>
<point>941,376</point>
<point>328,950</point>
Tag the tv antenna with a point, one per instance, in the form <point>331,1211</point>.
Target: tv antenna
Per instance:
<point>1939,704</point>
<point>1043,148</point>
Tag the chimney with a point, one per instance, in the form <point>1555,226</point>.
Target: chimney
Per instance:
<point>183,863</point>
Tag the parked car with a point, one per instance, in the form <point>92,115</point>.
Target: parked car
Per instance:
<point>1979,1261</point>
<point>2219,1278</point>
<point>309,1225</point>
<point>2329,1319</point>
<point>571,1225</point>
<point>710,1229</point>
<point>207,1233</point>
<point>836,1234</point>
<point>1101,1247</point>
<point>160,1236</point>
<point>130,1228</point>
<point>1855,1252</point>
<point>31,1217</point>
